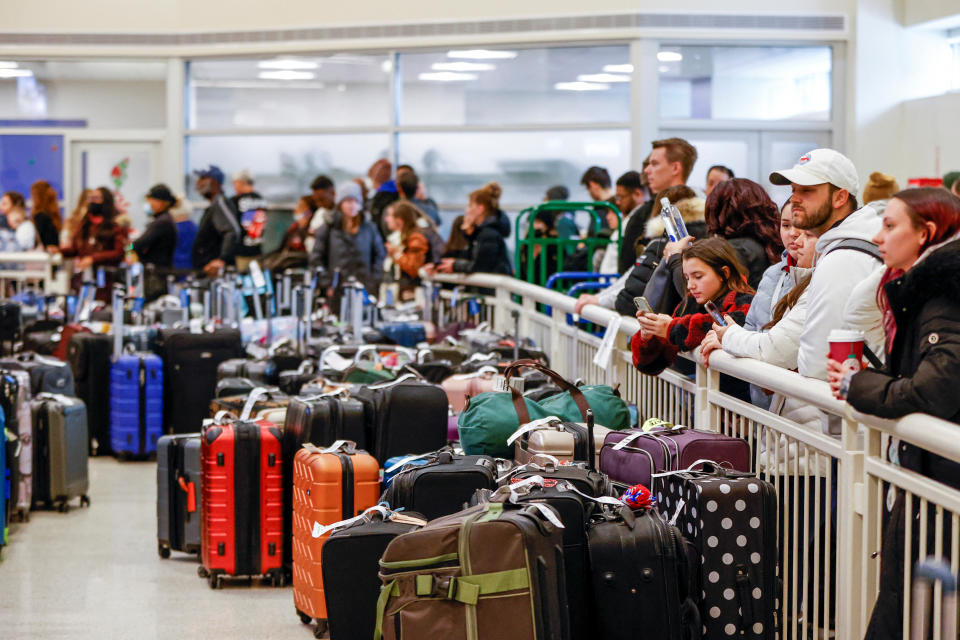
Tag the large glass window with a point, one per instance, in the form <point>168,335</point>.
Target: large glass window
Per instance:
<point>745,83</point>
<point>284,166</point>
<point>341,90</point>
<point>513,86</point>
<point>98,94</point>
<point>525,164</point>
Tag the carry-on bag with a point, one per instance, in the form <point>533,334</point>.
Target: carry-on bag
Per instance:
<point>730,518</point>
<point>351,561</point>
<point>632,456</point>
<point>227,387</point>
<point>329,485</point>
<point>242,532</point>
<point>190,363</point>
<point>493,571</point>
<point>441,486</point>
<point>266,398</point>
<point>15,398</point>
<point>136,404</point>
<point>407,414</point>
<point>179,491</point>
<point>565,441</point>
<point>59,451</point>
<point>461,386</point>
<point>47,375</point>
<point>88,355</point>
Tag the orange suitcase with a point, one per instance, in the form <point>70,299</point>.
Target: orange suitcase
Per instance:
<point>329,485</point>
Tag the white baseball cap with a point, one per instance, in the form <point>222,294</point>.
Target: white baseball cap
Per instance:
<point>821,166</point>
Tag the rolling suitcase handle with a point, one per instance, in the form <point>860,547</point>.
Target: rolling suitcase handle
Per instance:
<point>925,574</point>
<point>591,445</point>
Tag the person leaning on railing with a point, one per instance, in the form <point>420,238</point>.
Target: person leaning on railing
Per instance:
<point>714,274</point>
<point>920,298</point>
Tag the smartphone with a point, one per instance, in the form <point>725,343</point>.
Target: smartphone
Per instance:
<point>715,312</point>
<point>642,304</point>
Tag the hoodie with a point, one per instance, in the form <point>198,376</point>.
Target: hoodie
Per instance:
<point>836,275</point>
<point>774,285</point>
<point>488,250</point>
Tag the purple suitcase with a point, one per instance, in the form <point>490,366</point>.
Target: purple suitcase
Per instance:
<point>453,434</point>
<point>632,456</point>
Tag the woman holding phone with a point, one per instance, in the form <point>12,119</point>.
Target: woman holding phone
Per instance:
<point>715,277</point>
<point>919,296</point>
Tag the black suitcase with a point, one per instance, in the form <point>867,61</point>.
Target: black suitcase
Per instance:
<point>351,562</point>
<point>639,568</point>
<point>227,387</point>
<point>320,421</point>
<point>47,374</point>
<point>190,362</point>
<point>441,486</point>
<point>88,355</point>
<point>734,532</point>
<point>179,491</point>
<point>266,371</point>
<point>403,416</point>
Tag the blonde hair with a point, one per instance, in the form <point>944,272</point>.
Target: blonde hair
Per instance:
<point>880,186</point>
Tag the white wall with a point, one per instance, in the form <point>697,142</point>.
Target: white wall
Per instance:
<point>930,128</point>
<point>104,104</point>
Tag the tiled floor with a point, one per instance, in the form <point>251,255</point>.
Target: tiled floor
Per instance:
<point>95,573</point>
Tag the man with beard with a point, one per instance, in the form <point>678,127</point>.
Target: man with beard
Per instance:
<point>219,232</point>
<point>824,182</point>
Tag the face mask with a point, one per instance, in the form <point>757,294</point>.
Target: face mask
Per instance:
<point>147,209</point>
<point>95,208</point>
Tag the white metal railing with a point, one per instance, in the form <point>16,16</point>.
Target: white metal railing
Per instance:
<point>832,489</point>
<point>28,268</point>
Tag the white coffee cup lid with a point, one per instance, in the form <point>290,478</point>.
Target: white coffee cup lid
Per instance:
<point>845,335</point>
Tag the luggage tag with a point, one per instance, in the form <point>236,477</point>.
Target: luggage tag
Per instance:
<point>320,530</point>
<point>501,384</point>
<point>607,500</point>
<point>399,463</point>
<point>604,354</point>
<point>255,395</point>
<point>532,426</point>
<point>101,278</point>
<point>473,307</point>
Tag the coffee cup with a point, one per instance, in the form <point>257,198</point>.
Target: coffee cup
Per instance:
<point>846,345</point>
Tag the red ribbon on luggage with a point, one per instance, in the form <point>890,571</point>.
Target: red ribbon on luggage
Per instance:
<point>638,497</point>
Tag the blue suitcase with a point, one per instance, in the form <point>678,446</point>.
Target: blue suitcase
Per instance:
<point>395,465</point>
<point>4,482</point>
<point>136,404</point>
<point>405,334</point>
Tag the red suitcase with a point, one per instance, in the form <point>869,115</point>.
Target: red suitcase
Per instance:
<point>242,502</point>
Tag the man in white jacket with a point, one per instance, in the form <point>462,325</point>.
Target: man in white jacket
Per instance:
<point>824,182</point>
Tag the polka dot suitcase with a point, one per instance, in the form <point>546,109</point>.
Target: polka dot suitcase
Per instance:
<point>731,520</point>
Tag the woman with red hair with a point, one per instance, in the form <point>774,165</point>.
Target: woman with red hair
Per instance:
<point>919,296</point>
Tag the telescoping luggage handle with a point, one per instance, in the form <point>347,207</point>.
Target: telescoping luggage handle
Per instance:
<point>927,572</point>
<point>383,509</point>
<point>518,401</point>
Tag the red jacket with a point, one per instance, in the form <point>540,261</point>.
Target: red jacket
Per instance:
<point>107,250</point>
<point>686,332</point>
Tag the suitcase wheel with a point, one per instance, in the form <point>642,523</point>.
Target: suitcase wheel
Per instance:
<point>202,572</point>
<point>63,507</point>
<point>163,550</point>
<point>215,580</point>
<point>321,628</point>
<point>84,501</point>
<point>304,618</point>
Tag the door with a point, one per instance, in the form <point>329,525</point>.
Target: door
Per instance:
<point>128,169</point>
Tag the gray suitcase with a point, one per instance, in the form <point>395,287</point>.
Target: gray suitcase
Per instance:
<point>565,441</point>
<point>60,448</point>
<point>179,487</point>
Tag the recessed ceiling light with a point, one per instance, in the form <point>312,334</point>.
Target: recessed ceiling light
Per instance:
<point>15,73</point>
<point>447,76</point>
<point>618,68</point>
<point>482,54</point>
<point>462,66</point>
<point>287,64</point>
<point>580,86</point>
<point>603,77</point>
<point>285,75</point>
<point>669,56</point>
<point>8,64</point>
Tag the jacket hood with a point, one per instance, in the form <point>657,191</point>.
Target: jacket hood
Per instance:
<point>862,224</point>
<point>691,210</point>
<point>502,220</point>
<point>936,274</point>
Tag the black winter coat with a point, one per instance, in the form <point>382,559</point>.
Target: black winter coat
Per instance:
<point>488,249</point>
<point>924,364</point>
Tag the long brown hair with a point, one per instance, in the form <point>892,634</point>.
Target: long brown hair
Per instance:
<point>488,197</point>
<point>457,240</point>
<point>741,208</point>
<point>717,253</point>
<point>407,214</point>
<point>75,219</point>
<point>45,201</point>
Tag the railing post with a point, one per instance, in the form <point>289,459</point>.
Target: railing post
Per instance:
<point>501,317</point>
<point>850,535</point>
<point>707,380</point>
<point>559,356</point>
<point>870,525</point>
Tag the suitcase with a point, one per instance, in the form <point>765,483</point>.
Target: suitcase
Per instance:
<point>632,456</point>
<point>565,441</point>
<point>66,334</point>
<point>435,371</point>
<point>59,451</point>
<point>441,486</point>
<point>396,464</point>
<point>242,531</point>
<point>351,560</point>
<point>320,421</point>
<point>730,518</point>
<point>9,321</point>
<point>89,357</point>
<point>227,387</point>
<point>268,398</point>
<point>405,334</point>
<point>15,398</point>
<point>448,352</point>
<point>493,571</point>
<point>4,487</point>
<point>404,415</point>
<point>47,375</point>
<point>329,485</point>
<point>190,363</point>
<point>639,572</point>
<point>179,491</point>
<point>466,385</point>
<point>136,404</point>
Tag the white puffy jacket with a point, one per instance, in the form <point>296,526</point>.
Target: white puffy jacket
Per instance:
<point>862,313</point>
<point>837,273</point>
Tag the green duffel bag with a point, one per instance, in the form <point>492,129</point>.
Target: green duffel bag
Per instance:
<point>367,373</point>
<point>609,409</point>
<point>491,417</point>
